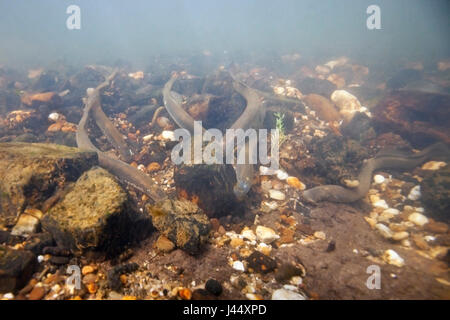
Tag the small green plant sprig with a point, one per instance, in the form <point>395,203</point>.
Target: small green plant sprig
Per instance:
<point>279,124</point>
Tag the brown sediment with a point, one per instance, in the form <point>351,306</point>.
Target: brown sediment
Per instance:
<point>122,170</point>
<point>388,159</point>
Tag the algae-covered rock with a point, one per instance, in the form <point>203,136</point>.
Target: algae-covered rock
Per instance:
<point>436,194</point>
<point>31,172</point>
<point>336,158</point>
<point>183,222</point>
<point>16,268</point>
<point>94,214</point>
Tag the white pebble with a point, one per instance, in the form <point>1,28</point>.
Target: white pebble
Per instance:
<point>414,194</point>
<point>266,235</point>
<point>392,211</point>
<point>378,178</point>
<point>277,195</point>
<point>296,280</point>
<point>384,230</point>
<point>429,238</point>
<point>283,294</point>
<point>252,296</point>
<point>54,116</point>
<point>40,258</point>
<point>381,204</point>
<point>239,266</point>
<point>248,234</point>
<point>147,137</point>
<point>281,174</point>
<point>418,219</point>
<point>392,257</point>
<point>168,135</point>
<point>320,235</point>
<point>8,296</point>
<point>264,171</point>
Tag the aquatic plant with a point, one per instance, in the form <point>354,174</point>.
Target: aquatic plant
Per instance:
<point>279,124</point>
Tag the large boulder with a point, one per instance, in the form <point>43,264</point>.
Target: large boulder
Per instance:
<point>95,214</point>
<point>16,268</point>
<point>419,117</point>
<point>31,172</point>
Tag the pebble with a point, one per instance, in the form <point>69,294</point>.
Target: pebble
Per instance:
<point>264,248</point>
<point>264,171</point>
<point>8,296</point>
<point>113,295</point>
<point>154,166</point>
<point>320,235</point>
<point>147,137</point>
<point>392,211</point>
<point>433,165</point>
<point>236,242</point>
<point>296,280</point>
<point>384,230</point>
<point>281,174</point>
<point>266,235</point>
<point>296,183</point>
<point>163,244</point>
<point>276,195</point>
<point>87,269</point>
<point>54,116</point>
<point>248,234</point>
<point>399,236</point>
<point>252,296</point>
<point>168,135</point>
<point>392,257</point>
<point>378,179</point>
<point>239,266</point>
<point>381,204</point>
<point>26,224</point>
<point>351,183</point>
<point>283,294</point>
<point>414,194</point>
<point>418,219</point>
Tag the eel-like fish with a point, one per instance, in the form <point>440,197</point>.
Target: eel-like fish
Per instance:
<point>173,107</point>
<point>106,126</point>
<point>386,159</point>
<point>122,170</point>
<point>251,117</point>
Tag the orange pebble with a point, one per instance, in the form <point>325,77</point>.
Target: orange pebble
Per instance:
<point>92,287</point>
<point>185,294</point>
<point>123,278</point>
<point>154,166</point>
<point>129,298</point>
<point>296,183</point>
